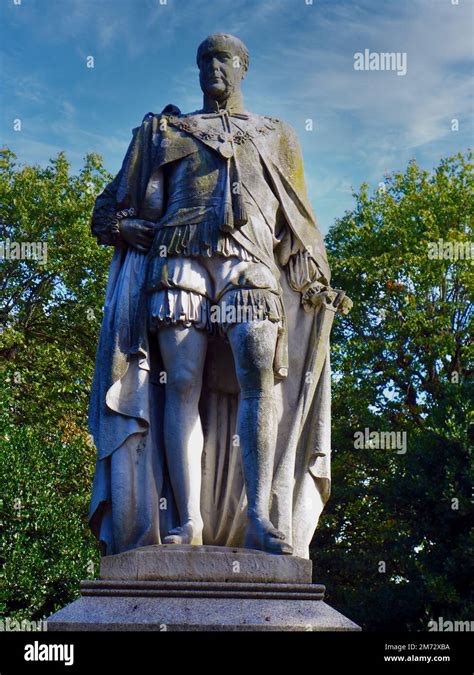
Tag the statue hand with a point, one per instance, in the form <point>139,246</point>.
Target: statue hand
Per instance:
<point>318,295</point>
<point>138,233</point>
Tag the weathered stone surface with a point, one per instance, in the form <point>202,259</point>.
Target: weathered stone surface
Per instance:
<point>207,588</point>
<point>205,563</point>
<point>260,363</point>
<point>199,606</point>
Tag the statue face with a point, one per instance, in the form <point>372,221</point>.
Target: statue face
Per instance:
<point>218,75</point>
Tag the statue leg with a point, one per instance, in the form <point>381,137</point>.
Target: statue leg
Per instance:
<point>253,346</point>
<point>183,351</point>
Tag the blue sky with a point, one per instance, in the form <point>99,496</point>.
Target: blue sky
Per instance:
<point>366,123</point>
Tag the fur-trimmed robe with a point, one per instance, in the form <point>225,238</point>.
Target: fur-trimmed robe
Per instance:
<point>132,501</point>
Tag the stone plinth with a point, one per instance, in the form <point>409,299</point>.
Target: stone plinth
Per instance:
<point>171,562</point>
<point>199,588</point>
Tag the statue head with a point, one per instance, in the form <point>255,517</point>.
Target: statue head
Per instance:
<point>223,61</point>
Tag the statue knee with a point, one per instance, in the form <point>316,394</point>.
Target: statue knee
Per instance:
<point>253,347</point>
<point>183,381</point>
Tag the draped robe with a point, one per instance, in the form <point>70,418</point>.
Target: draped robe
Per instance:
<point>132,500</point>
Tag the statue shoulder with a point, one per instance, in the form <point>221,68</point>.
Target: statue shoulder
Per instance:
<point>177,119</point>
<point>289,143</point>
<point>266,123</point>
<point>287,131</point>
<point>150,117</point>
<point>169,109</point>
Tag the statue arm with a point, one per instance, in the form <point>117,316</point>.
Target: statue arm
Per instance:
<point>106,216</point>
<point>300,246</point>
<point>304,276</point>
<point>105,220</point>
<point>301,268</point>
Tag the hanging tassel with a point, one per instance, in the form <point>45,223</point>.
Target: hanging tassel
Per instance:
<point>234,211</point>
<point>240,212</point>
<point>227,224</point>
<point>238,203</point>
<point>227,217</point>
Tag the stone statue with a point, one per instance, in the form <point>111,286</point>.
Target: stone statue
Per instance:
<point>210,406</point>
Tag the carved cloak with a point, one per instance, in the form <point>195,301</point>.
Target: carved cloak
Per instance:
<point>132,500</point>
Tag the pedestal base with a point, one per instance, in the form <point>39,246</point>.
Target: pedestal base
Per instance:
<point>253,592</point>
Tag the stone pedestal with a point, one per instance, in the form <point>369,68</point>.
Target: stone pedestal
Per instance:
<point>201,588</point>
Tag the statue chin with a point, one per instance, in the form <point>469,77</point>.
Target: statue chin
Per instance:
<point>217,92</point>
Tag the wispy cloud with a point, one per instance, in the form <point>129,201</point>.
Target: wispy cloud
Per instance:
<point>302,56</point>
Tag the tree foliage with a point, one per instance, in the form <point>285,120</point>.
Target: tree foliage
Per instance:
<point>394,544</point>
<point>50,311</point>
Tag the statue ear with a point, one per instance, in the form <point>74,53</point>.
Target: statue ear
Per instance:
<point>171,109</point>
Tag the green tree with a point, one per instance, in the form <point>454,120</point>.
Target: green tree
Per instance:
<point>394,544</point>
<point>50,312</point>
<point>402,361</point>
